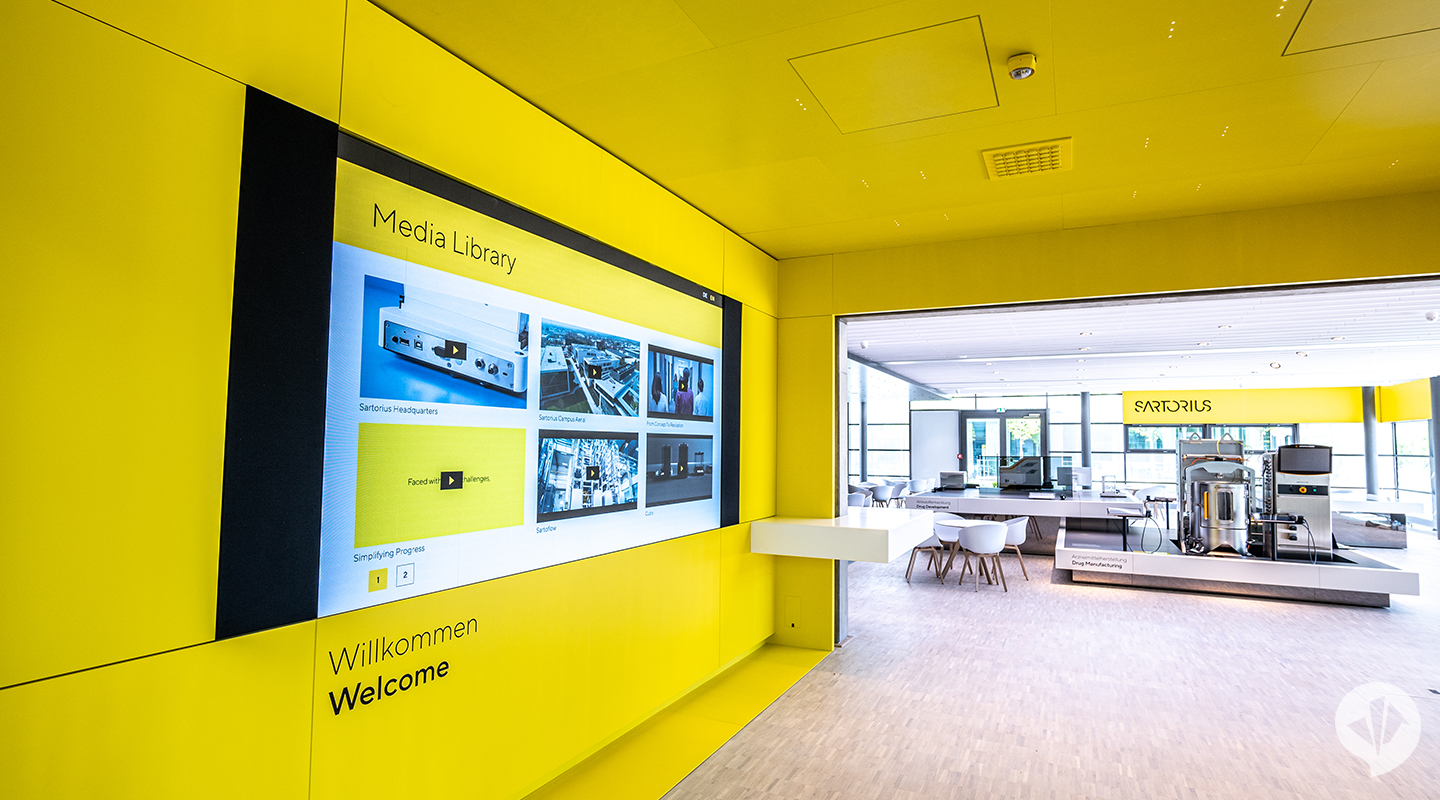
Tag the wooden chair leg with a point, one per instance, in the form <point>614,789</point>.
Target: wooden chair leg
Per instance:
<point>951,561</point>
<point>1023,571</point>
<point>1001,570</point>
<point>914,551</point>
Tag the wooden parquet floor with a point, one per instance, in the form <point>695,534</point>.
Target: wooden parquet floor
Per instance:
<point>1058,690</point>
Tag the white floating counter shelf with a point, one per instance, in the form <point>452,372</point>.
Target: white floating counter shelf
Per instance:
<point>879,535</point>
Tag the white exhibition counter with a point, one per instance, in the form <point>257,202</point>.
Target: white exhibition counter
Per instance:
<point>1085,503</point>
<point>1353,579</point>
<point>880,535</point>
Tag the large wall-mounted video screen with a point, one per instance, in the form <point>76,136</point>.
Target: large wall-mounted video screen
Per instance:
<point>498,401</point>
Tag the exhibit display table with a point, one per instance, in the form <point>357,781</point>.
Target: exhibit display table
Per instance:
<point>1352,579</point>
<point>1084,503</point>
<point>1360,521</point>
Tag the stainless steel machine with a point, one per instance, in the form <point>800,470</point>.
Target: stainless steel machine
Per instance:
<point>1216,491</point>
<point>1296,480</point>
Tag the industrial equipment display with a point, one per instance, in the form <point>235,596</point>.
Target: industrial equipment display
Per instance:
<point>1227,509</point>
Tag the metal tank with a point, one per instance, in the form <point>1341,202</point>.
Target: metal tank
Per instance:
<point>1220,515</point>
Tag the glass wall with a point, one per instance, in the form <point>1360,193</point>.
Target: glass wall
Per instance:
<point>1144,455</point>
<point>881,404</point>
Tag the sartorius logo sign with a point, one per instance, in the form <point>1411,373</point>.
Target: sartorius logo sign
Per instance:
<point>1171,406</point>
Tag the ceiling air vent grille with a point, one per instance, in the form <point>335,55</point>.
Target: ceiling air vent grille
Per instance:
<point>1029,159</point>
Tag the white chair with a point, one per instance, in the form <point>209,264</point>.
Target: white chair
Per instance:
<point>984,541</point>
<point>1014,537</point>
<point>916,487</point>
<point>880,495</point>
<point>902,490</point>
<point>856,499</point>
<point>942,539</point>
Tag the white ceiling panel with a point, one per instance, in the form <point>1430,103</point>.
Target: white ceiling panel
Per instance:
<point>1353,335</point>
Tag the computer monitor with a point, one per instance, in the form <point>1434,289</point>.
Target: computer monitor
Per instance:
<point>1027,472</point>
<point>952,480</point>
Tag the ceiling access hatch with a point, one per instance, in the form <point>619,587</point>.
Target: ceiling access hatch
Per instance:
<point>1055,155</point>
<point>922,74</point>
<point>1337,23</point>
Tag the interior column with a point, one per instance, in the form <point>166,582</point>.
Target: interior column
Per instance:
<point>1372,456</point>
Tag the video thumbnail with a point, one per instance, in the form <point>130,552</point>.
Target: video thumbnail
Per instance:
<point>582,473</point>
<point>435,348</point>
<point>589,373</point>
<point>678,469</point>
<point>422,481</point>
<point>681,385</point>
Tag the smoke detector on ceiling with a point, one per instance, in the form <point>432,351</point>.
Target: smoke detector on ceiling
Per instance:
<point>1021,66</point>
<point>1430,316</point>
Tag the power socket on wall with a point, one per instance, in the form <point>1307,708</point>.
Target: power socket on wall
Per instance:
<point>792,610</point>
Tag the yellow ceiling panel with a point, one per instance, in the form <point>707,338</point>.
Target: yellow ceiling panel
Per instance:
<point>1231,129</point>
<point>936,71</point>
<point>1295,184</point>
<point>764,196</point>
<point>540,44</point>
<point>731,21</point>
<point>1397,113</point>
<point>939,225</point>
<point>1337,23</point>
<point>1158,96</point>
<point>743,105</point>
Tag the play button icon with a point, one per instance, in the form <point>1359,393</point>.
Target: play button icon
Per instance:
<point>452,480</point>
<point>454,349</point>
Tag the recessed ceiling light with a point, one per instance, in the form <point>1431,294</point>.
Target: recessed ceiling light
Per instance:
<point>1336,338</point>
<point>996,372</point>
<point>1083,349</point>
<point>1302,354</point>
<point>1222,327</point>
<point>1202,344</point>
<point>989,364</point>
<point>1274,365</point>
<point>1184,356</point>
<point>1086,333</point>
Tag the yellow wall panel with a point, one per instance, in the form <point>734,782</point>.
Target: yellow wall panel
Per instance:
<point>758,366</point>
<point>557,664</point>
<point>1225,406</point>
<point>407,94</point>
<point>750,275</point>
<point>747,594</point>
<point>806,432</point>
<point>227,719</point>
<point>1403,401</point>
<point>804,602</point>
<point>1375,237</point>
<point>117,226</point>
<point>289,48</point>
<point>805,286</point>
